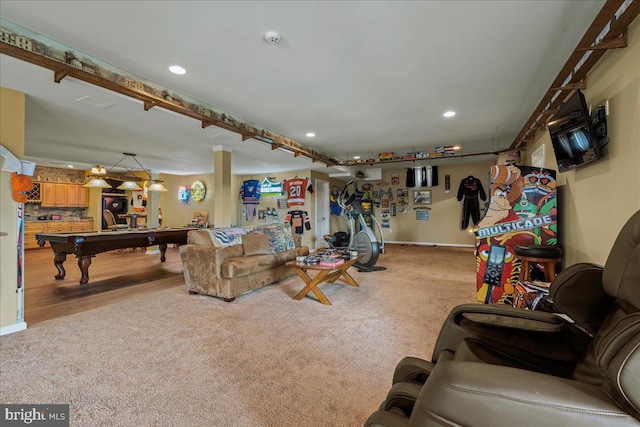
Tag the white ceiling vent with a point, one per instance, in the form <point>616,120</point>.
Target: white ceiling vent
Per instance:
<point>272,37</point>
<point>95,102</point>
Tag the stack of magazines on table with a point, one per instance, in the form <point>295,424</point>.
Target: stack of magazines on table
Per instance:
<point>327,258</point>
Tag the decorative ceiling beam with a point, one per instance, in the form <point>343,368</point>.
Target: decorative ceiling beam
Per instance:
<point>245,137</point>
<point>618,43</point>
<point>275,145</point>
<point>149,104</point>
<point>582,85</point>
<point>59,75</point>
<point>65,61</point>
<point>606,17</point>
<point>548,111</point>
<point>451,156</point>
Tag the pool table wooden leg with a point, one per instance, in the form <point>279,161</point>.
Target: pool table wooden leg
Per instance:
<point>84,263</point>
<point>58,259</point>
<point>163,252</point>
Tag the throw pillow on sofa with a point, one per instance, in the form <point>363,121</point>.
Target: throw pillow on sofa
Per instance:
<point>256,244</point>
<point>225,237</point>
<point>280,237</point>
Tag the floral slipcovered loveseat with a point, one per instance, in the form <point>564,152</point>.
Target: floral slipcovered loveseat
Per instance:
<point>228,262</point>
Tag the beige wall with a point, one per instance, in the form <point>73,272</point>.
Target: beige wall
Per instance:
<point>600,197</point>
<point>272,202</point>
<point>178,214</point>
<point>12,137</point>
<point>309,236</point>
<point>443,225</point>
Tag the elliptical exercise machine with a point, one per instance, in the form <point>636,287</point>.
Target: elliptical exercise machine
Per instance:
<point>365,241</point>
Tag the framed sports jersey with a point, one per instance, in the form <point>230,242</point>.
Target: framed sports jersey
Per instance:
<point>250,192</point>
<point>296,190</point>
<point>299,220</point>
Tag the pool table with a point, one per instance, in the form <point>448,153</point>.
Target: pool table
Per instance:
<point>86,245</point>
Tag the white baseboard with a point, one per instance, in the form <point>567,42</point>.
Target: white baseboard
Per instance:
<point>455,245</point>
<point>16,327</point>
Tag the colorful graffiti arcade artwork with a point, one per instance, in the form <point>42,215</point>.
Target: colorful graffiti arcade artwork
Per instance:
<point>522,211</point>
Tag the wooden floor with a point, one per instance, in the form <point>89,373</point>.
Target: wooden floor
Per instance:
<point>113,276</point>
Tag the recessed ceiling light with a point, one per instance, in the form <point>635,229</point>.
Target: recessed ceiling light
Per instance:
<point>456,147</point>
<point>176,69</point>
<point>311,134</point>
<point>356,157</point>
<point>449,114</point>
<point>70,166</point>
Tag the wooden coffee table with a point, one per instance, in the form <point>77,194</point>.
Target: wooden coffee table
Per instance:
<point>325,274</point>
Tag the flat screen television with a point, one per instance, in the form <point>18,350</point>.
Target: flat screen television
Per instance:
<point>574,140</point>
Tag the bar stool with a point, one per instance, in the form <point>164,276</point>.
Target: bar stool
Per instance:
<point>548,256</point>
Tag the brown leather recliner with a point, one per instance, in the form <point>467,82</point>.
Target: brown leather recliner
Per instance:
<point>496,365</point>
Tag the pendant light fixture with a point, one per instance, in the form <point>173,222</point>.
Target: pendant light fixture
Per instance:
<point>96,181</point>
<point>129,182</point>
<point>156,186</point>
<point>129,185</point>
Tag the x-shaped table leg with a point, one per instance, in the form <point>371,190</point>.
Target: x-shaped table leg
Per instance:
<point>312,285</point>
<point>345,276</point>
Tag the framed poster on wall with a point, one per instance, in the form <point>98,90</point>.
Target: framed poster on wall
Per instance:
<point>421,197</point>
<point>422,215</point>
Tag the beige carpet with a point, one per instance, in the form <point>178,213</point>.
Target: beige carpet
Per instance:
<point>174,359</point>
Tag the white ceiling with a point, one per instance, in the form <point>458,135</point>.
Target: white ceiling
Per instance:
<point>366,77</point>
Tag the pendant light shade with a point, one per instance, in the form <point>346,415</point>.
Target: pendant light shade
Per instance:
<point>129,185</point>
<point>157,187</point>
<point>97,183</point>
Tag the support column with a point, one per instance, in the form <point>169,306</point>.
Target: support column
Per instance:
<point>95,207</point>
<point>12,117</point>
<point>153,201</point>
<point>223,200</point>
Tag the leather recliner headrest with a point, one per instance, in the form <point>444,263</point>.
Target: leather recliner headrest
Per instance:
<point>621,276</point>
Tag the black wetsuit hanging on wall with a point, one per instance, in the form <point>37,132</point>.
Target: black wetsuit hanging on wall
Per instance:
<point>469,188</point>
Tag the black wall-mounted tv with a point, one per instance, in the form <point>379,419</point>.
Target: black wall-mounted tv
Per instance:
<point>575,142</point>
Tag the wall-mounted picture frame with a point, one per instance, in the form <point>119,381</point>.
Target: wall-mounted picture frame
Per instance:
<point>421,197</point>
<point>422,215</point>
<point>198,191</point>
